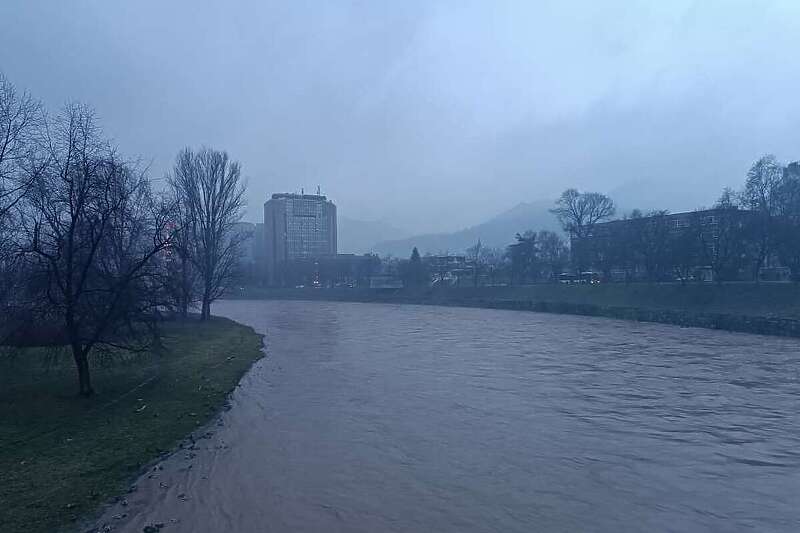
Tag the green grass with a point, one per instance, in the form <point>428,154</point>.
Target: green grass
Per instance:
<point>744,299</point>
<point>62,456</point>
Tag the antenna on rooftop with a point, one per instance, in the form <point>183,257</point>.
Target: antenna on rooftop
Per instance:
<point>302,191</point>
<point>319,191</point>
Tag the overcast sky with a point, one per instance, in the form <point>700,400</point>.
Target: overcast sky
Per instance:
<point>431,115</point>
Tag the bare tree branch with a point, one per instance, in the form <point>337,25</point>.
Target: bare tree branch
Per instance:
<point>209,191</point>
<point>96,234</point>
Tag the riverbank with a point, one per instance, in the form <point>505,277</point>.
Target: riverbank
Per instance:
<point>766,308</point>
<point>62,456</point>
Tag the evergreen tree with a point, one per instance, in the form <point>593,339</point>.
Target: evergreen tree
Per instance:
<point>414,273</point>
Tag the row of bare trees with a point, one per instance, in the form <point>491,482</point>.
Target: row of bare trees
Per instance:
<point>742,233</point>
<point>537,256</point>
<point>772,194</point>
<point>89,251</point>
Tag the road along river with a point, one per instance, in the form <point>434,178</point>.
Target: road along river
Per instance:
<point>374,417</point>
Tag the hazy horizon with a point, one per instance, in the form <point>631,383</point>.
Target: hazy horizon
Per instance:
<point>431,116</point>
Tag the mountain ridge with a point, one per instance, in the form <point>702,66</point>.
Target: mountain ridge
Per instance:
<point>359,236</point>
<point>498,231</point>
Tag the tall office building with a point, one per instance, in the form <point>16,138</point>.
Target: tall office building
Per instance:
<point>297,226</point>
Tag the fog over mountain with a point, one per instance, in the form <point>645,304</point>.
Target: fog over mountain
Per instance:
<point>360,236</point>
<point>499,231</point>
<point>363,236</point>
<point>430,115</point>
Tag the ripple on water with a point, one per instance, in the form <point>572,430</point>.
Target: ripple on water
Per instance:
<point>368,417</point>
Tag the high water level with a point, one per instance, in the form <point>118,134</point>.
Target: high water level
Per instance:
<point>369,417</point>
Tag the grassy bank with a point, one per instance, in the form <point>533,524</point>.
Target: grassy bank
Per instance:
<point>62,456</point>
<point>768,308</point>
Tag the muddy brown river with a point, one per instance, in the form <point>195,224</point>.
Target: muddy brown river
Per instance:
<point>372,418</point>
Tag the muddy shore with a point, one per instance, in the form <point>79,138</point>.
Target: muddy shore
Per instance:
<point>166,493</point>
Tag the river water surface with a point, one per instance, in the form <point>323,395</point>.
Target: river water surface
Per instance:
<point>374,417</point>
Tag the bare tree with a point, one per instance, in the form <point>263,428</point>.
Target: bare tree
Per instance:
<point>553,252</point>
<point>494,263</point>
<point>94,232</point>
<point>727,200</point>
<point>181,275</point>
<point>722,240</point>
<point>684,249</point>
<point>761,196</point>
<point>475,254</point>
<point>578,213</point>
<point>209,188</point>
<point>651,243</point>
<point>20,120</point>
<point>787,224</point>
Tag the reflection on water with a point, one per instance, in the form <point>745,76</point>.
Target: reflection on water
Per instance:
<point>405,418</point>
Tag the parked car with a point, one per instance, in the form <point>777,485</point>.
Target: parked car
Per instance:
<point>566,277</point>
<point>590,278</point>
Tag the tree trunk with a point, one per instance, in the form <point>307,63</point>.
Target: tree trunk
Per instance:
<point>205,312</point>
<point>185,289</point>
<point>762,257</point>
<point>84,377</point>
